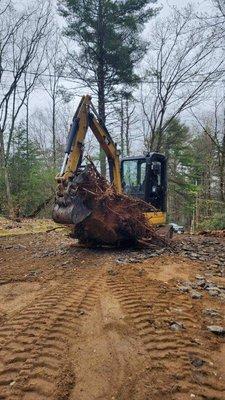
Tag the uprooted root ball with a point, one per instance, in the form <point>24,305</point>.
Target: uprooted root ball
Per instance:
<point>115,219</point>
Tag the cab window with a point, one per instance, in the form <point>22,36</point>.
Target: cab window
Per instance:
<point>134,172</point>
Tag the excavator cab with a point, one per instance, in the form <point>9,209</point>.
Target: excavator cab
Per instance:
<point>146,179</point>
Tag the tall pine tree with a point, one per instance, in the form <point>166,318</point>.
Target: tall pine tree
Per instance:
<point>108,35</point>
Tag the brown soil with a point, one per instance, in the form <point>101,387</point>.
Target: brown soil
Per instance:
<point>82,324</point>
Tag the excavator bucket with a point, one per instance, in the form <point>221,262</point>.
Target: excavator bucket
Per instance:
<point>71,214</point>
<point>69,206</point>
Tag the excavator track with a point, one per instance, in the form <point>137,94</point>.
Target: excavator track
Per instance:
<point>89,324</point>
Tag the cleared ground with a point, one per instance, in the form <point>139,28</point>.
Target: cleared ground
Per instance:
<point>86,324</point>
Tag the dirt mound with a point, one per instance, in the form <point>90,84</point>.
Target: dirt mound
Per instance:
<point>101,215</point>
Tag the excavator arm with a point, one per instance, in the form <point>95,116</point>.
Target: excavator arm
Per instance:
<point>85,117</point>
<point>69,208</point>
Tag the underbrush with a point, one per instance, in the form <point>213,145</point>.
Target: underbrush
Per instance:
<point>216,222</point>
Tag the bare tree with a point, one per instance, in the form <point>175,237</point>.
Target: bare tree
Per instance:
<point>23,37</point>
<point>185,62</point>
<point>125,110</point>
<point>214,127</point>
<point>56,56</point>
<point>40,125</point>
<point>220,4</point>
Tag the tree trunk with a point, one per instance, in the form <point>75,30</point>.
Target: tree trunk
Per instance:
<point>122,128</point>
<point>6,177</point>
<point>127,138</point>
<point>101,80</point>
<point>27,126</point>
<point>8,192</point>
<point>222,169</point>
<point>53,131</point>
<point>222,164</point>
<point>101,111</point>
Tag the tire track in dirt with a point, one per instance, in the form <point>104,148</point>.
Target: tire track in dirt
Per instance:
<point>151,307</point>
<point>106,356</point>
<point>34,357</point>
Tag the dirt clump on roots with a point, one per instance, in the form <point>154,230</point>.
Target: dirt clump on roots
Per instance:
<point>114,219</point>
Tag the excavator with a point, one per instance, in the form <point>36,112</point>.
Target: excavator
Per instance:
<point>142,177</point>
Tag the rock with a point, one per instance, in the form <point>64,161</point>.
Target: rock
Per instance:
<point>121,261</point>
<point>209,286</point>
<point>210,312</point>
<point>193,255</point>
<point>160,251</point>
<point>217,330</point>
<point>112,272</point>
<point>187,248</point>
<point>222,296</point>
<point>212,289</point>
<point>197,362</point>
<point>65,263</point>
<point>9,226</point>
<point>176,326</point>
<point>200,283</point>
<point>199,277</point>
<point>184,289</point>
<point>195,295</point>
<point>47,253</point>
<point>32,274</point>
<point>214,292</point>
<point>8,247</point>
<point>131,260</point>
<point>21,246</point>
<point>152,255</point>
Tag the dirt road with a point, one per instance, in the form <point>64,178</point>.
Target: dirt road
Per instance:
<point>84,324</point>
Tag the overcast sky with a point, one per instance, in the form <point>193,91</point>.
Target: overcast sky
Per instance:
<point>200,5</point>
<point>168,3</point>
<point>39,97</point>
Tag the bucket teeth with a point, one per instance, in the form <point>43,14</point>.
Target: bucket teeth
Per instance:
<point>69,207</point>
<point>71,214</point>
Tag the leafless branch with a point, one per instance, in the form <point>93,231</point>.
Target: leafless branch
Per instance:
<point>184,64</point>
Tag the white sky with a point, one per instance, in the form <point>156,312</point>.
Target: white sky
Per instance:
<point>200,5</point>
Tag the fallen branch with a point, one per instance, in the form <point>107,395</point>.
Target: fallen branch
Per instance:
<point>40,207</point>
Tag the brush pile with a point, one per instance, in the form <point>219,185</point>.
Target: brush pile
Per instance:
<point>102,216</point>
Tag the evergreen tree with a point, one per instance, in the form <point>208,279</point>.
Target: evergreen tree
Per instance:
<point>108,33</point>
<point>31,181</point>
<point>177,145</point>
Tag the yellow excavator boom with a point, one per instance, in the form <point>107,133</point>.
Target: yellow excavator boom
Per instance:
<point>85,117</point>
